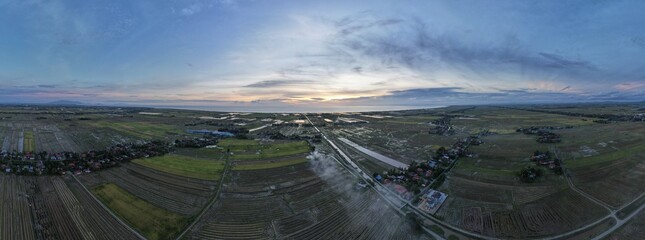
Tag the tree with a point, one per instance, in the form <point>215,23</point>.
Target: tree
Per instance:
<point>414,222</point>
<point>441,151</point>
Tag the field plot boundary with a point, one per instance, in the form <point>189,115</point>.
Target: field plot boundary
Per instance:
<point>227,166</point>
<point>109,210</point>
<point>153,221</point>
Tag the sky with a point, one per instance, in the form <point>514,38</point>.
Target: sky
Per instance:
<point>302,55</point>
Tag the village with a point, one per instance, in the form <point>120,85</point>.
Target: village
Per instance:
<point>418,182</point>
<point>44,163</point>
<point>543,133</point>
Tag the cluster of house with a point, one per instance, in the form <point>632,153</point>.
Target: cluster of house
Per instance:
<point>543,133</point>
<point>640,117</point>
<point>15,155</point>
<point>207,140</point>
<point>277,135</point>
<point>211,133</point>
<point>547,160</point>
<point>86,162</point>
<point>442,126</point>
<point>410,181</point>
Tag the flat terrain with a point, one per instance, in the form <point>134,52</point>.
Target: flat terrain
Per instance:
<point>153,222</point>
<point>185,166</point>
<point>285,181</point>
<point>485,193</point>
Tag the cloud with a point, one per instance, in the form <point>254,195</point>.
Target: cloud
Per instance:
<point>420,97</point>
<point>202,5</point>
<point>639,42</point>
<point>415,51</point>
<point>630,86</point>
<point>350,26</point>
<point>558,61</point>
<point>418,47</point>
<point>191,10</point>
<point>278,83</point>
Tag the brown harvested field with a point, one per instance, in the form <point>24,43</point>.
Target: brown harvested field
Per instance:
<point>633,230</point>
<point>556,213</point>
<point>53,216</point>
<point>606,161</point>
<point>497,193</point>
<point>178,194</point>
<point>60,209</point>
<point>293,202</point>
<point>15,214</point>
<point>616,183</point>
<point>254,181</point>
<point>271,191</point>
<point>87,214</point>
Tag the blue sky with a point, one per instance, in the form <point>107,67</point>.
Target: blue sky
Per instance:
<point>321,54</point>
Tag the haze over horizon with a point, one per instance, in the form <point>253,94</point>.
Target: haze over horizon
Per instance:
<point>291,55</point>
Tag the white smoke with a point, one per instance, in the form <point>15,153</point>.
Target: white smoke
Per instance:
<point>341,181</point>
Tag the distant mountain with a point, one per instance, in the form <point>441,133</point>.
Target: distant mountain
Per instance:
<point>65,103</point>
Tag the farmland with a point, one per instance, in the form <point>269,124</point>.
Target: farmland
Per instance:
<point>28,141</point>
<point>485,194</point>
<point>143,130</point>
<point>292,202</point>
<point>633,230</point>
<point>59,206</point>
<point>287,181</point>
<point>153,222</point>
<point>185,166</point>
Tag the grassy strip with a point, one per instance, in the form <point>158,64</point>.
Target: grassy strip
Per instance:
<point>273,151</point>
<point>237,142</point>
<point>185,166</point>
<point>29,142</point>
<point>151,221</point>
<point>269,164</point>
<point>203,153</point>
